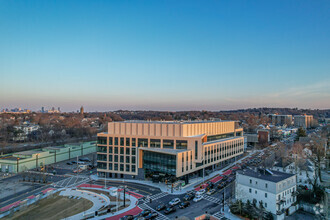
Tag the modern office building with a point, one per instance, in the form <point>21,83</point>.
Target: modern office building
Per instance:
<point>280,119</point>
<point>276,190</point>
<point>139,149</point>
<point>304,121</point>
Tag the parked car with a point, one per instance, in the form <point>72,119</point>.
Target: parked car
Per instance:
<point>198,198</point>
<point>174,201</point>
<point>127,217</point>
<point>212,191</point>
<point>200,192</point>
<point>169,210</point>
<point>160,207</point>
<point>152,215</point>
<point>139,218</point>
<point>184,205</point>
<point>69,163</point>
<point>73,162</point>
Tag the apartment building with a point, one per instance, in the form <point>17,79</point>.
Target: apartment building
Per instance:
<point>276,190</point>
<point>304,121</point>
<point>139,149</point>
<point>280,119</point>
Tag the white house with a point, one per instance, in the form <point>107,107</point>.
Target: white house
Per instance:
<point>305,171</point>
<point>276,190</point>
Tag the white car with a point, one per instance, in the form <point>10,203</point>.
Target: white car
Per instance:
<point>200,192</point>
<point>212,191</point>
<point>174,201</point>
<point>198,198</point>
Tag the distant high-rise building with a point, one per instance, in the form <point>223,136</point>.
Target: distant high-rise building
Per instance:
<point>304,121</point>
<point>59,109</point>
<point>281,119</point>
<point>42,109</point>
<point>81,110</point>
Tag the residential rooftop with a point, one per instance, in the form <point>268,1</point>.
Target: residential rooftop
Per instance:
<point>266,174</point>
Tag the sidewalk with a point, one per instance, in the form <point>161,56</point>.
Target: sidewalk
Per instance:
<point>188,187</point>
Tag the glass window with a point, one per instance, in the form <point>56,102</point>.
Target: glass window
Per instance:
<point>266,185</point>
<point>110,166</point>
<point>181,144</point>
<point>127,150</point>
<point>102,149</point>
<point>158,162</point>
<point>155,143</point>
<point>110,141</point>
<point>122,141</point>
<point>142,142</point>
<point>133,160</point>
<point>121,167</point>
<point>250,190</point>
<point>116,166</point>
<point>122,159</point>
<point>101,165</point>
<point>133,142</point>
<point>116,150</point>
<point>133,168</point>
<point>116,141</point>
<point>127,159</point>
<point>110,158</point>
<point>133,151</point>
<point>128,142</point>
<point>102,140</point>
<point>110,150</point>
<point>265,195</point>
<point>127,168</point>
<point>102,157</point>
<point>168,144</point>
<point>121,150</point>
<point>116,158</point>
<point>196,149</point>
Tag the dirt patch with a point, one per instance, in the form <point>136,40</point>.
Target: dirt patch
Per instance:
<point>53,208</point>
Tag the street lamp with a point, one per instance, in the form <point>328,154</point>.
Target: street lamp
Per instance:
<point>17,164</point>
<point>37,155</point>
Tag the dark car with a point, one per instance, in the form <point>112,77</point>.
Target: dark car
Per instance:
<point>188,197</point>
<point>69,163</point>
<point>152,215</point>
<point>127,217</point>
<point>73,162</point>
<point>170,210</point>
<point>160,207</point>
<point>184,205</point>
<point>210,185</point>
<point>145,212</point>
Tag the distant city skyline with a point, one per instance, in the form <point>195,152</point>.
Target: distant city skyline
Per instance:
<point>164,55</point>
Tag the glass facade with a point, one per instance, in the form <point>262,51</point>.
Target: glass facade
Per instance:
<point>219,136</point>
<point>102,140</point>
<point>181,144</point>
<point>142,142</point>
<point>168,144</point>
<point>159,163</point>
<point>155,143</point>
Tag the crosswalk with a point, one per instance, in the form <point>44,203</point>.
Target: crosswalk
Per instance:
<point>71,182</point>
<point>218,215</point>
<point>158,196</point>
<point>160,216</point>
<point>212,199</point>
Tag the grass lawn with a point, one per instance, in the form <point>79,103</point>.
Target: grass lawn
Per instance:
<point>56,207</point>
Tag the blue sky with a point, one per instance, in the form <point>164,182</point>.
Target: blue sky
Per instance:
<point>164,55</point>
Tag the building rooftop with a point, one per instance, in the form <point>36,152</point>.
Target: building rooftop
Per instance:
<point>29,152</point>
<point>171,122</point>
<point>265,174</point>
